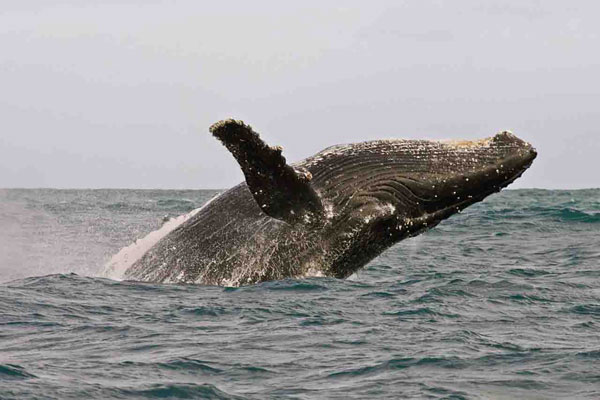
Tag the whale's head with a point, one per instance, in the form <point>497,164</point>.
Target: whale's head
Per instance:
<point>379,192</point>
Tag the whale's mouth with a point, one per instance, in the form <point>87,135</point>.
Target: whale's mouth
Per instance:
<point>445,212</point>
<point>462,190</point>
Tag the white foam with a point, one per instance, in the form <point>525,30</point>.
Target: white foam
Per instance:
<point>127,256</point>
<point>313,272</point>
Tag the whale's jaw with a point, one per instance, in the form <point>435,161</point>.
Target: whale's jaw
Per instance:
<point>454,191</point>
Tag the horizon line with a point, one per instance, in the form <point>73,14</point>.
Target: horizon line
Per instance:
<point>213,189</point>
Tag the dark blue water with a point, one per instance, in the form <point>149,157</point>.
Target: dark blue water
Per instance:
<point>502,302</point>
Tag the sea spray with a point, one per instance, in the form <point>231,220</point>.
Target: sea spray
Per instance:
<point>119,263</point>
<point>128,255</point>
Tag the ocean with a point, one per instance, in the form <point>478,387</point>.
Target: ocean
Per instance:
<point>499,302</point>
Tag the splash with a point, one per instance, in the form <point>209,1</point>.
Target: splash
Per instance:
<point>127,256</point>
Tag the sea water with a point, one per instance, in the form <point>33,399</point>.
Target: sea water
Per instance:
<point>501,301</point>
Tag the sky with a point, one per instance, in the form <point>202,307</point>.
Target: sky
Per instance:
<point>120,94</point>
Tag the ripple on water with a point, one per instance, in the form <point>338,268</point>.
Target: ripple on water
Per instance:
<point>527,272</point>
<point>417,313</point>
<point>586,309</point>
<point>13,371</point>
<point>399,364</point>
<point>180,391</point>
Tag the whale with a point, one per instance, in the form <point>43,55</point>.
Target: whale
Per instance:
<point>329,214</point>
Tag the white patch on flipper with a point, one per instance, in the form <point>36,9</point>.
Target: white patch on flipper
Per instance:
<point>127,256</point>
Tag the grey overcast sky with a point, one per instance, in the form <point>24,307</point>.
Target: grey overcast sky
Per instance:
<point>121,93</point>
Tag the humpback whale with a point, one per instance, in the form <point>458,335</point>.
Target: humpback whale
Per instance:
<point>330,214</point>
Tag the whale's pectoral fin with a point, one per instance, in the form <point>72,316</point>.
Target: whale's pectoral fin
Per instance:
<point>281,191</point>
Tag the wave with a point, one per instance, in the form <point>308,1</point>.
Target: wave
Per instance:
<point>181,391</point>
<point>402,363</point>
<point>176,204</point>
<point>13,371</point>
<point>570,214</point>
<point>586,309</point>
